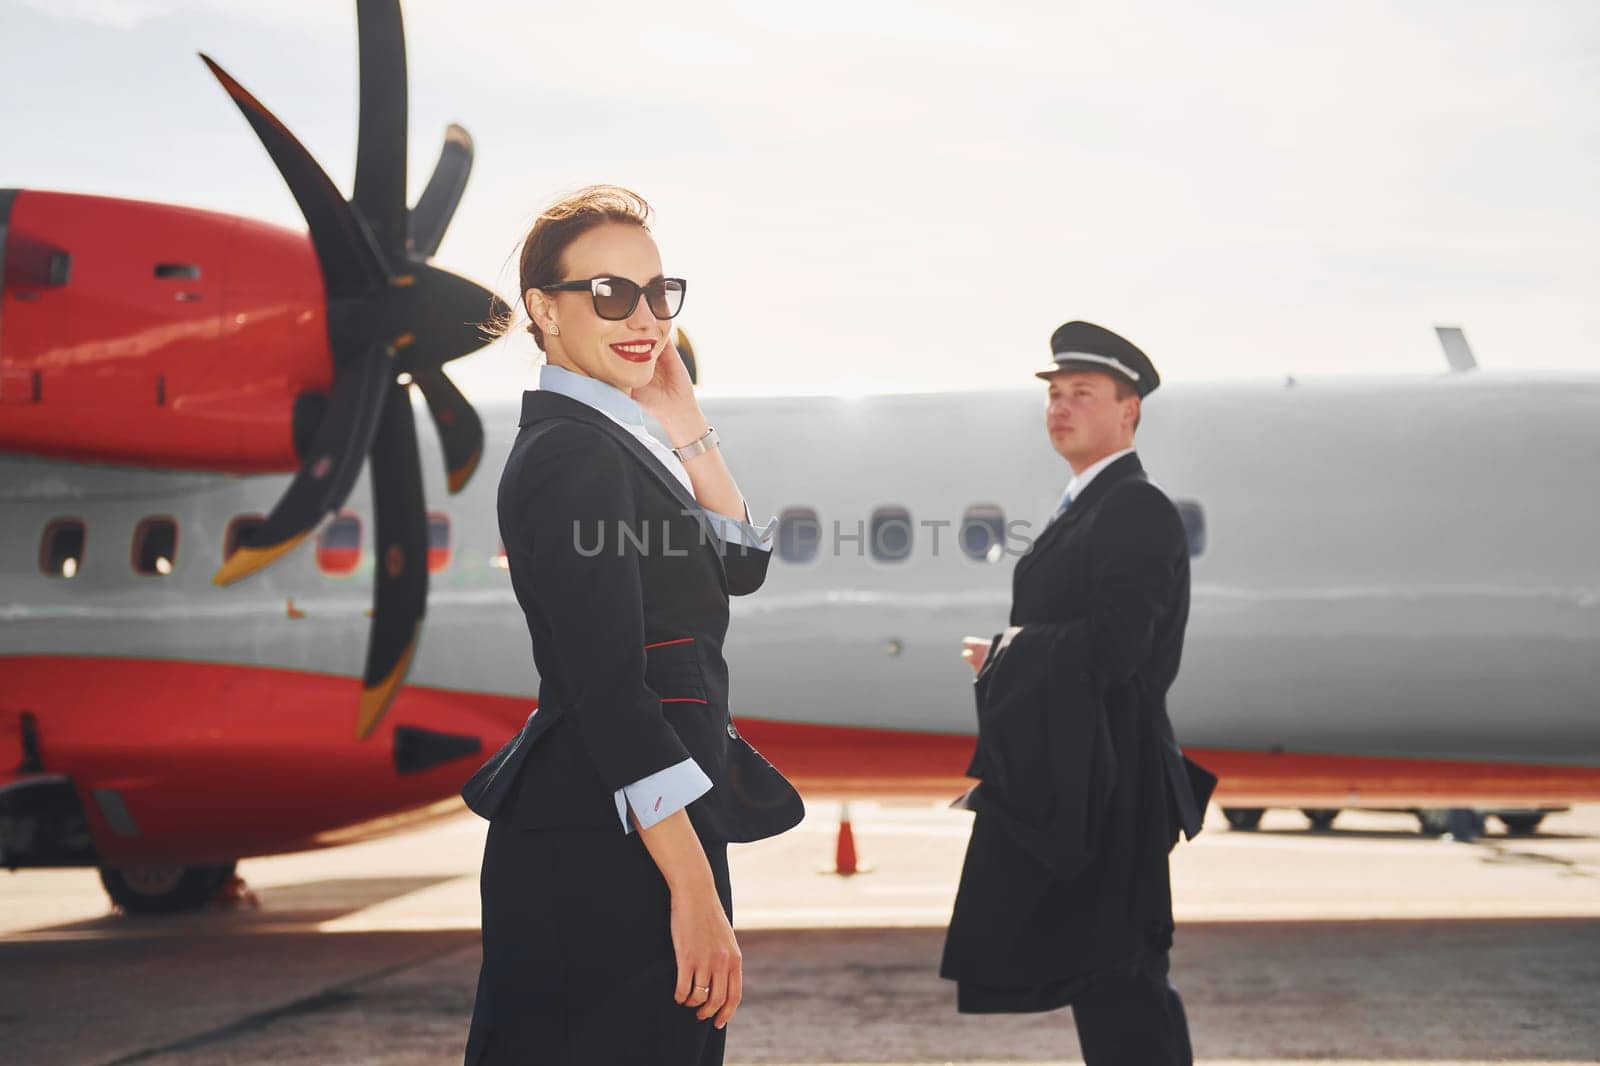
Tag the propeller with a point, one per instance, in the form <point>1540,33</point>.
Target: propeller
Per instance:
<point>686,350</point>
<point>393,320</point>
<point>438,201</point>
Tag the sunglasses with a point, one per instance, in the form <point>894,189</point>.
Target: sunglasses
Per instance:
<point>615,298</point>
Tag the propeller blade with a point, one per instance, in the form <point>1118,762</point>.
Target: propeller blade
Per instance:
<point>351,264</point>
<point>686,350</point>
<point>447,318</point>
<point>400,570</point>
<point>460,428</point>
<point>329,470</point>
<point>437,205</point>
<point>380,189</point>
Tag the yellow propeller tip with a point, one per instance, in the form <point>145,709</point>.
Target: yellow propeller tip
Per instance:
<point>375,699</point>
<point>458,478</point>
<point>244,561</point>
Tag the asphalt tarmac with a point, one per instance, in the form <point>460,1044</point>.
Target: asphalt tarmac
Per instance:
<point>1368,944</point>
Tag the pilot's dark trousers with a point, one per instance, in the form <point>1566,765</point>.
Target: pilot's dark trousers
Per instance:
<point>578,963</point>
<point>1133,1018</point>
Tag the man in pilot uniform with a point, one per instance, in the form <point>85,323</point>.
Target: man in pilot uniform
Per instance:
<point>1108,579</point>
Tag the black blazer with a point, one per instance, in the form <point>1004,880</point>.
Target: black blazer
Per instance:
<point>1106,587</point>
<point>625,589</point>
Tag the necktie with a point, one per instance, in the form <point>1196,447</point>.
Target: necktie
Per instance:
<point>1061,508</point>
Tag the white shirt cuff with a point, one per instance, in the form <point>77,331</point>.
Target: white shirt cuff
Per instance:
<point>662,794</point>
<point>733,531</point>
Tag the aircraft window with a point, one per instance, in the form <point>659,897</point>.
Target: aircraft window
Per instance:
<point>61,548</point>
<point>182,271</point>
<point>339,544</point>
<point>498,560</point>
<point>983,533</point>
<point>155,547</point>
<point>438,541</point>
<point>891,534</point>
<point>799,535</point>
<point>1194,524</point>
<point>238,529</point>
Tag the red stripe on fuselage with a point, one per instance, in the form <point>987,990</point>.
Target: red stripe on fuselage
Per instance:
<point>851,761</point>
<point>215,761</point>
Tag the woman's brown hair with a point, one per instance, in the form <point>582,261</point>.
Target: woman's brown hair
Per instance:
<point>553,233</point>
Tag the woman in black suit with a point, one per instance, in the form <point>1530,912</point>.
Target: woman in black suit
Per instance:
<point>607,911</point>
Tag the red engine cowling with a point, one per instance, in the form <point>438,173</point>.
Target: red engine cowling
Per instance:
<point>155,335</point>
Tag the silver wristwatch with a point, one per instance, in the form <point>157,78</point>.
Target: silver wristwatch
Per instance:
<point>705,443</point>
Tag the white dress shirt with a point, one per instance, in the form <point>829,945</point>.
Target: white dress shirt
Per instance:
<point>667,791</point>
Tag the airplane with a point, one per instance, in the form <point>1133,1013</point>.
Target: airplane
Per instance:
<point>1396,601</point>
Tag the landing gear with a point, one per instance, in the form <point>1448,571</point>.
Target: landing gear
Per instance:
<point>1521,825</point>
<point>1243,819</point>
<point>1321,818</point>
<point>1462,824</point>
<point>1432,821</point>
<point>164,889</point>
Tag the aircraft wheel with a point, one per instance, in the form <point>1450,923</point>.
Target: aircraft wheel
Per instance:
<point>1521,825</point>
<point>1432,822</point>
<point>164,889</point>
<point>1321,818</point>
<point>1243,818</point>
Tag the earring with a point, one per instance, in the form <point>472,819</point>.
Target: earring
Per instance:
<point>555,331</point>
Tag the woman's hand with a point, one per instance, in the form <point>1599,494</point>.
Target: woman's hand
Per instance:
<point>710,967</point>
<point>669,394</point>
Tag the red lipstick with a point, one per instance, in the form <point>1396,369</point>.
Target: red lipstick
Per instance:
<point>635,351</point>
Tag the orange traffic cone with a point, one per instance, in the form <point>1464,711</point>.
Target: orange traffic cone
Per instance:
<point>845,862</point>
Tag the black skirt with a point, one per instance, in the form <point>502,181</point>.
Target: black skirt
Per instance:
<point>578,964</point>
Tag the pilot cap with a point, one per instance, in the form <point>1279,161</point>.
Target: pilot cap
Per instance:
<point>1086,346</point>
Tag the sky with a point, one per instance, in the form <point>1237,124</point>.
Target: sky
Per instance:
<point>884,195</point>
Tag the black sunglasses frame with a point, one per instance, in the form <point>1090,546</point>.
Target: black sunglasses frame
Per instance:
<point>588,285</point>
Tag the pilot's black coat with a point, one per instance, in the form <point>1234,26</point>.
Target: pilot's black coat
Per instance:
<point>627,624</point>
<point>1066,873</point>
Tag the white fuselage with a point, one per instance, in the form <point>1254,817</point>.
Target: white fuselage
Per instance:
<point>1404,567</point>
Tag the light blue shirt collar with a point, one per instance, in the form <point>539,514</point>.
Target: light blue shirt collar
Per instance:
<point>596,393</point>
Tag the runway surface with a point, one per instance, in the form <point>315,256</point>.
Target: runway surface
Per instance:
<point>1368,944</point>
